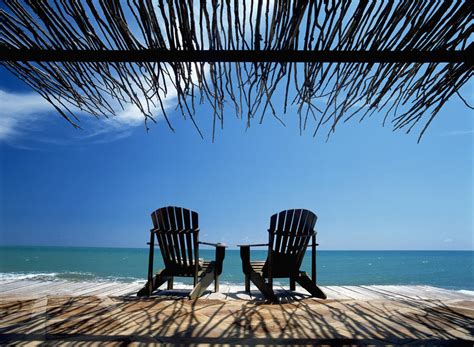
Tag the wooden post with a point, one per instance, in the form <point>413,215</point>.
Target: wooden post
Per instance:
<point>150,262</point>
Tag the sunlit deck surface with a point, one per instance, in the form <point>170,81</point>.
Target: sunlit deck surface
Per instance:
<point>80,313</point>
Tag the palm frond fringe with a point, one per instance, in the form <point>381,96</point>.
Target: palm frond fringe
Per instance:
<point>329,60</point>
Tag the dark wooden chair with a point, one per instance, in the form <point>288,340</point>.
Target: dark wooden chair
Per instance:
<point>288,237</point>
<point>176,230</point>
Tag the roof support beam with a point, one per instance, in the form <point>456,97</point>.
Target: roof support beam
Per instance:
<point>250,56</point>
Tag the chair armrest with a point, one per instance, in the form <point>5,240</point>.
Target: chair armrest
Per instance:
<point>220,254</point>
<point>213,244</point>
<point>245,256</point>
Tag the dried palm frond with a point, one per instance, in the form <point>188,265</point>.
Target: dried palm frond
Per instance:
<point>331,60</point>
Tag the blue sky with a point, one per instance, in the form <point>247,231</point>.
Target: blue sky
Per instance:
<point>370,187</point>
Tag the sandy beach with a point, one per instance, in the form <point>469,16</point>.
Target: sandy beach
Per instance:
<point>80,313</point>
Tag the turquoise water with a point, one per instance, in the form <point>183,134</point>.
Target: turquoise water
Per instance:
<point>446,269</point>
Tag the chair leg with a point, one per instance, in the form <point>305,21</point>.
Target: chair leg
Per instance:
<point>170,283</point>
<point>292,284</point>
<point>156,281</point>
<point>247,283</point>
<point>216,283</point>
<point>204,282</point>
<point>306,282</point>
<point>265,288</point>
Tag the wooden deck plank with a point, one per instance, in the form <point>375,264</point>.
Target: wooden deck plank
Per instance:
<point>48,288</point>
<point>30,286</point>
<point>452,295</point>
<point>333,293</point>
<point>71,288</point>
<point>399,292</point>
<point>97,288</point>
<point>78,287</point>
<point>420,292</point>
<point>344,291</point>
<point>129,289</point>
<point>16,284</point>
<point>118,288</point>
<point>57,288</point>
<point>364,292</point>
<point>124,288</point>
<point>75,288</point>
<point>107,290</point>
<point>6,283</point>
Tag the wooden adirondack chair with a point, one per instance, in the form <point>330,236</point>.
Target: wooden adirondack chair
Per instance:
<point>177,232</point>
<point>289,235</point>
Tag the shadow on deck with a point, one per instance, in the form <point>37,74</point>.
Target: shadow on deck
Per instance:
<point>298,320</point>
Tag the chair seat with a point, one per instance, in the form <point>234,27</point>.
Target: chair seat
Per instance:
<point>188,271</point>
<point>259,267</point>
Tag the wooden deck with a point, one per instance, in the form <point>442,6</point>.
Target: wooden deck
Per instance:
<point>60,312</point>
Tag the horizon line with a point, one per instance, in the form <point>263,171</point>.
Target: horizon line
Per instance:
<point>259,248</point>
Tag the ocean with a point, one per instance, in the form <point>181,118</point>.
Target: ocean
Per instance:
<point>445,269</point>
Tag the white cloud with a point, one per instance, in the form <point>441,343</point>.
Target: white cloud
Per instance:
<point>23,116</point>
<point>19,111</point>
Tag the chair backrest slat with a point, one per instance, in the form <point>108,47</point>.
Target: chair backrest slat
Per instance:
<point>290,248</point>
<point>177,234</point>
<point>308,230</point>
<point>181,234</point>
<point>174,236</point>
<point>280,227</point>
<point>287,229</point>
<point>305,214</point>
<point>169,239</point>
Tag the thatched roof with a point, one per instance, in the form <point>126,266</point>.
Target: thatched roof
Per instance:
<point>332,60</point>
